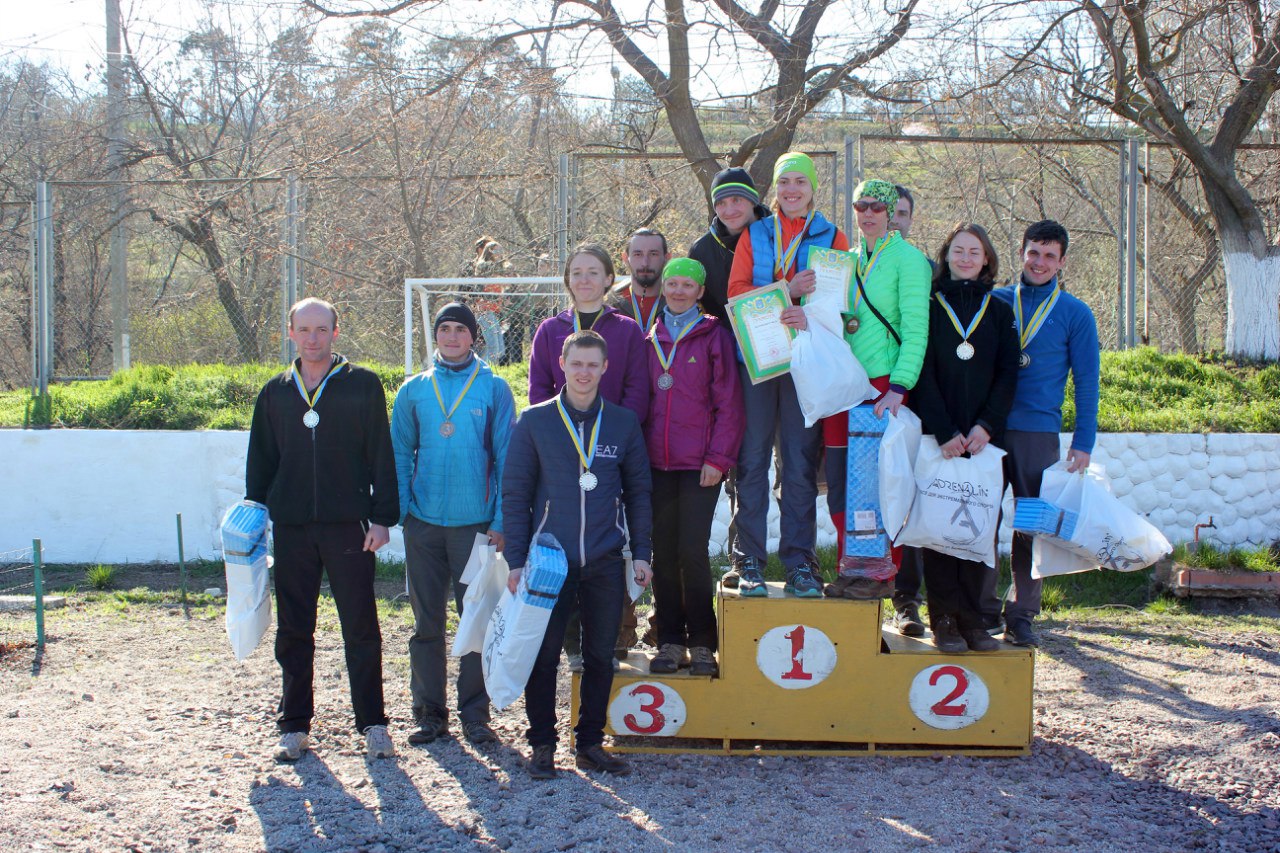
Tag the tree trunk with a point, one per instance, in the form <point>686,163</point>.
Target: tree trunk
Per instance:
<point>1253,279</point>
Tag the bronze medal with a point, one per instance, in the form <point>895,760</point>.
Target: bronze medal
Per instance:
<point>447,429</point>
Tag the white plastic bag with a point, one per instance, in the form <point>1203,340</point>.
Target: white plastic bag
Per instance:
<point>957,505</point>
<point>828,379</point>
<point>516,628</point>
<point>898,451</point>
<point>1048,556</point>
<point>486,578</point>
<point>244,551</point>
<point>1109,533</point>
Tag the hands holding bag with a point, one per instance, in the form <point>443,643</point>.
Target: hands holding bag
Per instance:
<point>828,379</point>
<point>957,504</point>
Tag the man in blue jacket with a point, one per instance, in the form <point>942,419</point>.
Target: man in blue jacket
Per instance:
<point>1058,335</point>
<point>450,428</point>
<point>576,462</point>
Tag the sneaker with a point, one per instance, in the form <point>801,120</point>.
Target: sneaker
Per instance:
<point>1018,633</point>
<point>866,589</point>
<point>979,640</point>
<point>703,662</point>
<point>430,729</point>
<point>804,582</point>
<point>668,659</point>
<point>292,745</point>
<point>617,665</point>
<point>378,743</point>
<point>836,590</point>
<point>946,636</point>
<point>751,579</point>
<point>542,763</point>
<point>729,580</point>
<point>907,621</point>
<point>478,733</point>
<point>575,663</point>
<point>595,758</point>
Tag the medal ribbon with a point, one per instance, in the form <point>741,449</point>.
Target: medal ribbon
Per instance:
<point>577,321</point>
<point>448,414</point>
<point>782,261</point>
<point>585,457</point>
<point>973,324</point>
<point>635,306</point>
<point>312,399</point>
<point>1026,333</point>
<point>864,265</point>
<point>665,360</point>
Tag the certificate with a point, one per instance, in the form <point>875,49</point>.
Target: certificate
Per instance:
<point>834,271</point>
<point>764,341</point>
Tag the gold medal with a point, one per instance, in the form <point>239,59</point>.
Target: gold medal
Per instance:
<point>850,323</point>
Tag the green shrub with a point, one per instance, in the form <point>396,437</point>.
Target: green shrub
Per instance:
<point>100,576</point>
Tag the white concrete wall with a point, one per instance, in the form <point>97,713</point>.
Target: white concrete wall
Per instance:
<point>111,496</point>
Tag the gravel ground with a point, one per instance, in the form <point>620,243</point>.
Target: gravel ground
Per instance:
<point>138,732</point>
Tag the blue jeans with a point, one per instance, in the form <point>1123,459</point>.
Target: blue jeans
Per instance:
<point>597,591</point>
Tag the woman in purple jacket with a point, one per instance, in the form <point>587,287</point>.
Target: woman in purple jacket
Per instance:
<point>693,432</point>
<point>588,276</point>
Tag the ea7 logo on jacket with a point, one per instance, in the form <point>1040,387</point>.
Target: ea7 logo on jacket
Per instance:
<point>607,451</point>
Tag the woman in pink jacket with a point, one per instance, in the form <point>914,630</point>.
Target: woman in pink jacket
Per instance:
<point>693,433</point>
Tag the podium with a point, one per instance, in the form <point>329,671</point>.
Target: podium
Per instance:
<point>806,676</point>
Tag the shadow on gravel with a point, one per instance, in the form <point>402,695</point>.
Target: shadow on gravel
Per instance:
<point>1101,665</point>
<point>1135,806</point>
<point>322,815</point>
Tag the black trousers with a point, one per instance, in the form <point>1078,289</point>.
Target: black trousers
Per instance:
<point>304,553</point>
<point>954,587</point>
<point>682,586</point>
<point>910,577</point>
<point>596,591</point>
<point>436,556</point>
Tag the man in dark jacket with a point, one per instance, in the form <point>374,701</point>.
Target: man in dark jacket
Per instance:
<point>736,203</point>
<point>320,458</point>
<point>641,297</point>
<point>574,463</point>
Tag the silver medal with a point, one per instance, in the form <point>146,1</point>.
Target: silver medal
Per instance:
<point>665,381</point>
<point>965,351</point>
<point>447,428</point>
<point>1024,358</point>
<point>311,419</point>
<point>588,481</point>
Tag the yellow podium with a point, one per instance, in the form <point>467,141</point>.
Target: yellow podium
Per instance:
<point>822,676</point>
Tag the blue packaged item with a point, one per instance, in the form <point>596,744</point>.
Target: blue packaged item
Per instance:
<point>867,549</point>
<point>1036,516</point>
<point>545,572</point>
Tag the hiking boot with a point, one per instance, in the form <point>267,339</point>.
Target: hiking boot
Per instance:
<point>979,640</point>
<point>804,581</point>
<point>595,758</point>
<point>478,733</point>
<point>866,589</point>
<point>378,743</point>
<point>729,580</point>
<point>542,763</point>
<point>575,663</point>
<point>292,745</point>
<point>946,636</point>
<point>907,621</point>
<point>836,590</point>
<point>668,659</point>
<point>703,662</point>
<point>751,579</point>
<point>1018,633</point>
<point>430,729</point>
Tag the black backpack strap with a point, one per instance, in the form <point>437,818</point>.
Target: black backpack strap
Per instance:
<point>863,292</point>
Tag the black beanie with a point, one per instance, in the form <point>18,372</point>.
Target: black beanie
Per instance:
<point>731,182</point>
<point>456,312</point>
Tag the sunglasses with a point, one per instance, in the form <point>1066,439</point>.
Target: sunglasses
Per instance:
<point>873,206</point>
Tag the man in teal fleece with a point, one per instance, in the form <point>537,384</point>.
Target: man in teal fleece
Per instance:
<point>450,428</point>
<point>1058,335</point>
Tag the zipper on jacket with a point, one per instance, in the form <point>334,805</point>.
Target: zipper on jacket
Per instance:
<point>315,479</point>
<point>582,503</point>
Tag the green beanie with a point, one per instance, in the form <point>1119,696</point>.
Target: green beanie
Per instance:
<point>686,267</point>
<point>796,161</point>
<point>880,191</point>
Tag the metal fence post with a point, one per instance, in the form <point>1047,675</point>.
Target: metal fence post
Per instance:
<point>1131,247</point>
<point>42,331</point>
<point>1120,239</point>
<point>562,219</point>
<point>849,167</point>
<point>289,266</point>
<point>182,563</point>
<point>1146,241</point>
<point>37,564</point>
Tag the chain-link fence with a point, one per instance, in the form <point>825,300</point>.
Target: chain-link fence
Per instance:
<point>213,264</point>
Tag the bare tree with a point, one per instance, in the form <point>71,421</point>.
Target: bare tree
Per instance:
<point>1199,76</point>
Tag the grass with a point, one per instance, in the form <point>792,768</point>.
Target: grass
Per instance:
<point>1143,390</point>
<point>1208,556</point>
<point>100,577</point>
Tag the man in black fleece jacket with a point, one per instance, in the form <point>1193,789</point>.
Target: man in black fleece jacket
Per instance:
<point>320,458</point>
<point>575,463</point>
